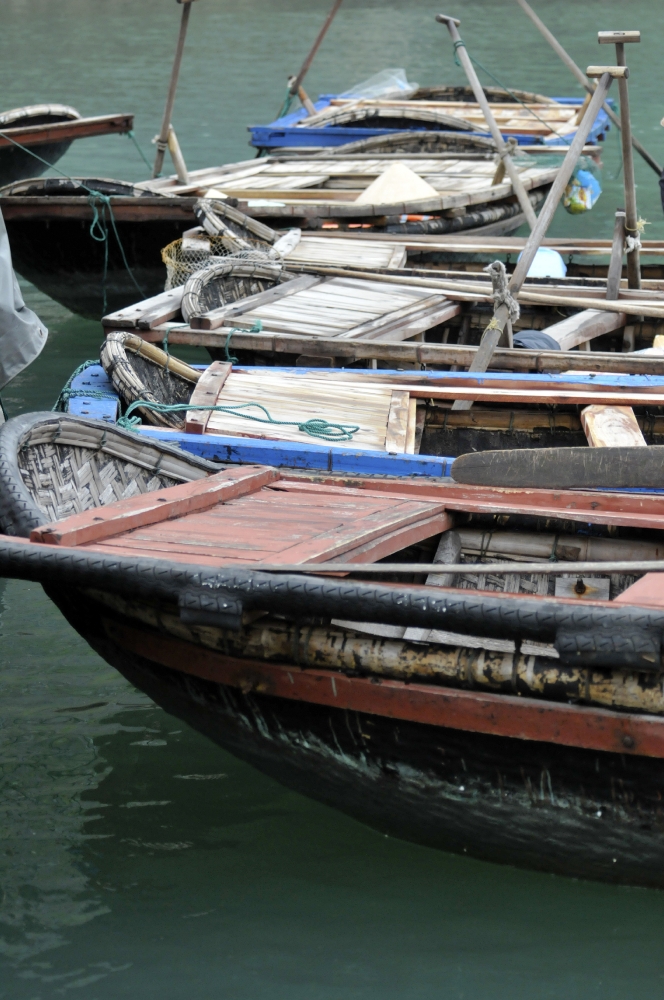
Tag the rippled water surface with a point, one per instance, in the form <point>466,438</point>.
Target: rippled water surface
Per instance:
<point>136,858</point>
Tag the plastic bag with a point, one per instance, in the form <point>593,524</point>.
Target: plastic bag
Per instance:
<point>386,86</point>
<point>584,188</point>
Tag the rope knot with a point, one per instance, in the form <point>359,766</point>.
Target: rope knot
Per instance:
<point>511,146</point>
<point>501,293</point>
<point>634,242</point>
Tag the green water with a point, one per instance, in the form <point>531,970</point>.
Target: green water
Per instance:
<point>137,859</point>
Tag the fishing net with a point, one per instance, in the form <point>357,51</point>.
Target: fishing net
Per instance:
<point>185,256</point>
<point>225,233</point>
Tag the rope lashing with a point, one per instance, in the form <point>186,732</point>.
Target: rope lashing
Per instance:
<point>501,293</point>
<point>460,43</point>
<point>634,242</point>
<point>68,393</point>
<point>510,148</point>
<point>316,427</point>
<point>256,328</point>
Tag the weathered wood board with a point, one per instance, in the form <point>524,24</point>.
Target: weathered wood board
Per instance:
<point>384,416</point>
<point>347,308</point>
<point>249,516</point>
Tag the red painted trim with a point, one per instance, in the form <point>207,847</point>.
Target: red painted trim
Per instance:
<point>471,711</point>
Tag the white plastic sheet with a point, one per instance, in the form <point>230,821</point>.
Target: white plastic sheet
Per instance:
<point>388,85</point>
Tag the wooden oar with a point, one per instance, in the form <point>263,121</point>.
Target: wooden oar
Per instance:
<point>517,184</point>
<point>296,81</point>
<point>563,468</point>
<point>162,140</point>
<point>583,79</point>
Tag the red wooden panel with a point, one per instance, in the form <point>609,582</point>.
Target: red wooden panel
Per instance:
<point>647,592</point>
<point>471,711</point>
<point>149,508</point>
<point>637,510</point>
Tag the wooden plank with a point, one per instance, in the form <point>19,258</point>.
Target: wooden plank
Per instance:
<point>147,314</point>
<point>393,317</point>
<point>612,426</point>
<point>79,128</point>
<point>564,468</point>
<point>215,318</point>
<point>175,501</point>
<point>504,359</point>
<point>470,711</point>
<point>412,424</point>
<point>206,393</point>
<point>397,423</point>
<point>631,510</point>
<point>584,326</point>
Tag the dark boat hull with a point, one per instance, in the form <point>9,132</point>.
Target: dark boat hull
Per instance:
<point>572,811</point>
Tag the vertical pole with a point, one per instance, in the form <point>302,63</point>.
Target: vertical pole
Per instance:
<point>162,139</point>
<point>480,97</point>
<point>631,215</point>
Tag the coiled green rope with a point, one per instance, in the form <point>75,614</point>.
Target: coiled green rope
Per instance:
<point>316,427</point>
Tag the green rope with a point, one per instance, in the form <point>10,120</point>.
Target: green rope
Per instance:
<point>316,427</point>
<point>133,138</point>
<point>68,393</point>
<point>288,100</point>
<point>98,227</point>
<point>460,43</point>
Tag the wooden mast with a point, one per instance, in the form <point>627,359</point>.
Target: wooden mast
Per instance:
<point>163,137</point>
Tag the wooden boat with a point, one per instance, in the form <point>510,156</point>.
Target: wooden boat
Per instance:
<point>498,714</point>
<point>340,120</point>
<point>49,225</point>
<point>397,423</point>
<point>48,130</point>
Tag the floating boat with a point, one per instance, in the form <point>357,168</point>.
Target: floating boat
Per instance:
<point>382,422</point>
<point>521,115</point>
<point>506,710</point>
<point>48,130</point>
<point>49,223</point>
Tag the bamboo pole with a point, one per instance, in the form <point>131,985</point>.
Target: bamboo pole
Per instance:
<point>464,569</point>
<point>583,80</point>
<point>480,97</point>
<point>631,214</point>
<point>296,81</point>
<point>162,138</point>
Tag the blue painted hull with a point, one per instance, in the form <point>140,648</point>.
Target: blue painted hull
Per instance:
<point>93,395</point>
<point>286,131</point>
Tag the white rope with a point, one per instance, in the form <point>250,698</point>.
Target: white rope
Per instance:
<point>501,293</point>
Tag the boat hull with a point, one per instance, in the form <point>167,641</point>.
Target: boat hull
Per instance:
<point>569,810</point>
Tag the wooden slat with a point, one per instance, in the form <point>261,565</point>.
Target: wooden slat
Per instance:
<point>412,423</point>
<point>175,501</point>
<point>215,318</point>
<point>584,326</point>
<point>612,426</point>
<point>148,313</point>
<point>206,393</point>
<point>397,423</point>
